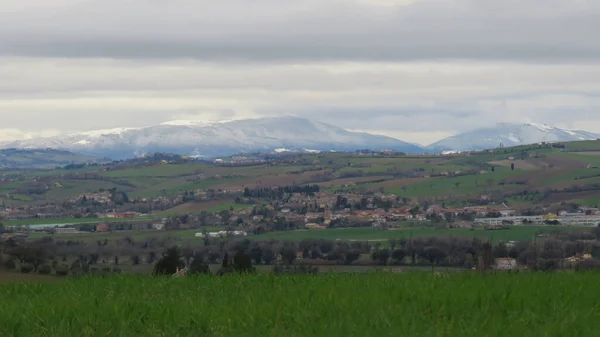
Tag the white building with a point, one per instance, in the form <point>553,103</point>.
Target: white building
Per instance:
<point>222,234</point>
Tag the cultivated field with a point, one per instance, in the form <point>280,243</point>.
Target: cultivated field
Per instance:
<point>376,304</point>
<point>451,178</point>
<point>516,233</point>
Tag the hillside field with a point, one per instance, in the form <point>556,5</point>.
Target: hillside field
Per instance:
<point>455,179</point>
<point>373,304</point>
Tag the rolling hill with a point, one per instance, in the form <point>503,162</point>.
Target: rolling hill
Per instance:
<point>41,158</point>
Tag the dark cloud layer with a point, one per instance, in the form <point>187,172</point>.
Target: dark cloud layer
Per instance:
<point>414,69</point>
<point>271,30</point>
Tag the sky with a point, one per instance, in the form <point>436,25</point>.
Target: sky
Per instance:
<point>417,70</point>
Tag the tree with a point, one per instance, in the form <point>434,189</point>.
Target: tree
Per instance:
<point>351,256</point>
<point>29,254</point>
<point>197,266</point>
<point>288,255</point>
<point>512,166</point>
<point>256,254</point>
<point>135,260</point>
<point>398,255</point>
<point>381,256</point>
<point>434,254</point>
<point>268,255</point>
<point>170,261</point>
<point>493,168</point>
<point>242,263</point>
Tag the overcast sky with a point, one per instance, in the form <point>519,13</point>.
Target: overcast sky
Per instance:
<point>418,70</point>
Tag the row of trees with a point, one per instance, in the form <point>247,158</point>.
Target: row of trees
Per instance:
<point>548,252</point>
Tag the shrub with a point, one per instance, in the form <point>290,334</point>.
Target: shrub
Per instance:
<point>45,269</point>
<point>9,263</point>
<point>61,270</point>
<point>26,268</point>
<point>198,266</point>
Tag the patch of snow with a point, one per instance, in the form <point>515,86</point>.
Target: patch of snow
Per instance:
<point>570,132</point>
<point>183,122</point>
<point>282,150</point>
<point>82,142</point>
<point>312,151</point>
<point>514,138</point>
<point>100,133</point>
<point>541,127</point>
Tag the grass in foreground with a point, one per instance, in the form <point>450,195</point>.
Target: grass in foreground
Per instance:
<point>413,304</point>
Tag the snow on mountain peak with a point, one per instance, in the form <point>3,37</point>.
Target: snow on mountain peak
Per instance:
<point>541,127</point>
<point>100,133</point>
<point>185,122</point>
<point>182,122</point>
<point>510,135</point>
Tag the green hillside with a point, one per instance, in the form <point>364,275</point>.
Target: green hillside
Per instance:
<point>549,173</point>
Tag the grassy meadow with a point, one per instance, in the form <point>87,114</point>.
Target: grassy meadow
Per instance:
<point>373,304</point>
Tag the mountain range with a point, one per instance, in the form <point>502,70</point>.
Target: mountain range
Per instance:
<point>508,134</point>
<point>209,140</point>
<point>275,134</point>
<point>42,158</point>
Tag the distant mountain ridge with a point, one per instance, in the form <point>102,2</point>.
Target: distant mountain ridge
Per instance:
<point>272,134</point>
<point>42,158</point>
<point>509,134</point>
<point>210,140</point>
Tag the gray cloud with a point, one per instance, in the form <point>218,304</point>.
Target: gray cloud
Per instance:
<point>416,70</point>
<point>271,30</point>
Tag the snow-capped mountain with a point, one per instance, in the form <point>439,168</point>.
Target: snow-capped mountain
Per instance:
<point>214,139</point>
<point>509,134</point>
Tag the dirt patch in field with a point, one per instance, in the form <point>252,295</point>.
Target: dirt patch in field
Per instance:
<point>273,180</point>
<point>344,181</point>
<point>561,162</point>
<point>519,164</point>
<point>398,183</point>
<point>195,207</point>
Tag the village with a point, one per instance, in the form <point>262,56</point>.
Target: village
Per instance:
<point>300,207</point>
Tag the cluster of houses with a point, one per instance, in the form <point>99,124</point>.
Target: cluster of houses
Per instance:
<point>585,217</point>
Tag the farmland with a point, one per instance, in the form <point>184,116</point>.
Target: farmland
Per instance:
<point>514,233</point>
<point>374,304</point>
<point>452,178</point>
<point>517,233</point>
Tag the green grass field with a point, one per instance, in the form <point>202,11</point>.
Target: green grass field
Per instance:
<point>67,221</point>
<point>374,304</point>
<point>520,233</point>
